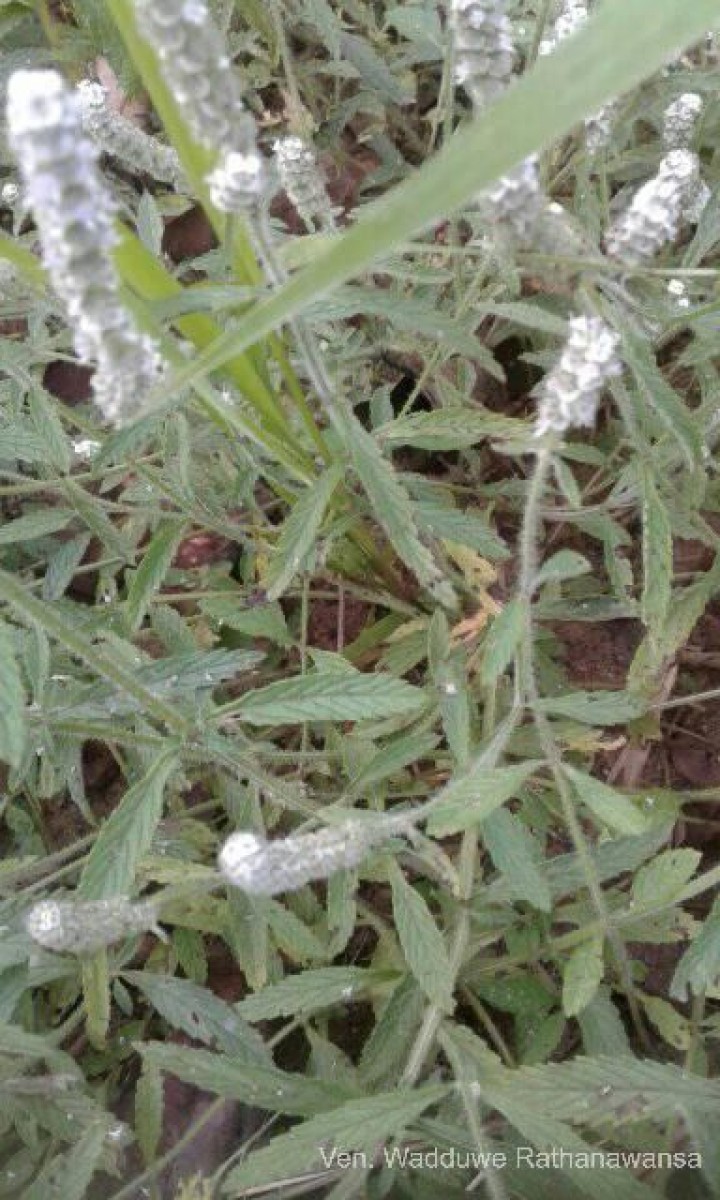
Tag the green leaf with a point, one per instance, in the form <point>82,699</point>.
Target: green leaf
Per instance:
<point>670,1024</point>
<point>609,806</point>
<point>358,1125</point>
<point>502,640</point>
<point>12,702</point>
<point>595,708</point>
<point>149,1096</point>
<point>699,967</point>
<point>69,1174</point>
<point>469,528</point>
<point>602,1029</point>
<point>566,564</point>
<point>35,525</point>
<point>662,880</point>
<point>453,428</point>
<point>394,509</point>
<point>662,399</point>
<point>200,1014</point>
<point>421,941</point>
<point>299,533</point>
<point>515,854</point>
<point>126,835</point>
<point>310,992</point>
<point>582,976</point>
<point>657,559</point>
<point>260,1086</point>
<point>152,570</point>
<point>468,800</point>
<point>328,697</point>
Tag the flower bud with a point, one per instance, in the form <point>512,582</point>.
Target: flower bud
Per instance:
<point>86,926</point>
<point>123,139</point>
<point>570,394</point>
<point>74,216</point>
<point>264,868</point>
<point>484,50</point>
<point>516,202</point>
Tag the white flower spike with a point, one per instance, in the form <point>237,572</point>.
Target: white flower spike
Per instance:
<point>264,868</point>
<point>657,212</point>
<point>302,180</point>
<point>570,394</point>
<point>680,120</point>
<point>86,926</point>
<point>484,50</point>
<point>123,139</point>
<point>74,217</point>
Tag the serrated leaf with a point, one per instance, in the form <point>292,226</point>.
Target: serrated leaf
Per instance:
<point>200,1014</point>
<point>91,511</point>
<point>153,568</point>
<point>582,976</point>
<point>126,835</point>
<point>260,1086</point>
<point>149,1095</point>
<point>595,708</point>
<point>394,510</point>
<point>670,1024</point>
<point>453,428</point>
<point>471,798</point>
<point>12,702</point>
<point>608,805</point>
<point>699,967</point>
<point>469,528</point>
<point>662,880</point>
<point>566,564</point>
<point>69,1174</point>
<point>299,533</point>
<point>502,640</point>
<point>661,398</point>
<point>329,697</point>
<point>421,942</point>
<point>601,1025</point>
<point>35,525</point>
<point>515,854</point>
<point>311,991</point>
<point>358,1125</point>
<point>390,1040</point>
<point>657,559</point>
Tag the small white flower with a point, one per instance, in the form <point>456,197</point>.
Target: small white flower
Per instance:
<point>677,289</point>
<point>86,926</point>
<point>85,448</point>
<point>10,194</point>
<point>123,139</point>
<point>302,180</point>
<point>569,396</point>
<point>484,50</point>
<point>655,216</point>
<point>74,215</point>
<point>238,182</point>
<point>680,119</point>
<point>264,868</point>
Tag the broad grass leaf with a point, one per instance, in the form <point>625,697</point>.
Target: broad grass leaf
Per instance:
<point>469,799</point>
<point>421,942</point>
<point>609,806</point>
<point>516,855</point>
<point>126,835</point>
<point>582,975</point>
<point>12,702</point>
<point>358,1125</point>
<point>329,697</point>
<point>299,533</point>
